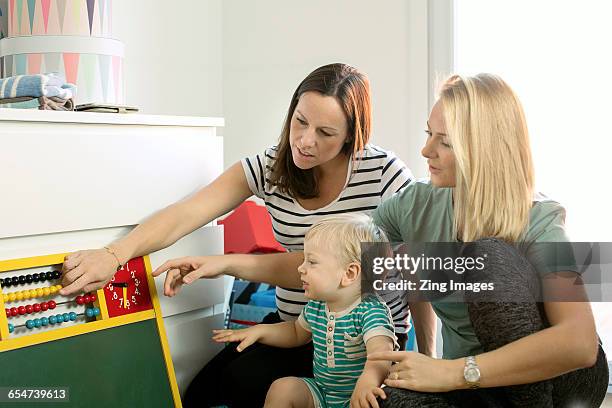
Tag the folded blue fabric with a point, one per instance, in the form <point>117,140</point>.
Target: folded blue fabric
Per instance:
<point>51,84</point>
<point>31,104</point>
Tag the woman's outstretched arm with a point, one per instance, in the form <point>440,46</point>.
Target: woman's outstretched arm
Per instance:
<point>274,269</point>
<point>91,269</point>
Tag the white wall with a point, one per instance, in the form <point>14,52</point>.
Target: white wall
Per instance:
<point>243,59</point>
<point>173,55</point>
<point>270,46</point>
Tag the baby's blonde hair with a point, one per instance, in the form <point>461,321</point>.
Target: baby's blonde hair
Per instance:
<point>346,232</point>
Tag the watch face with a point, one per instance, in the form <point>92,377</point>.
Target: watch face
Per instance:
<point>472,374</point>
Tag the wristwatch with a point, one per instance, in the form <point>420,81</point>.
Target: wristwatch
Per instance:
<point>471,372</point>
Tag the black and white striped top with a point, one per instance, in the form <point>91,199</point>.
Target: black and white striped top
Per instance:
<point>378,176</point>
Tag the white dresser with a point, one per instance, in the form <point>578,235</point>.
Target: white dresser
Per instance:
<point>74,180</point>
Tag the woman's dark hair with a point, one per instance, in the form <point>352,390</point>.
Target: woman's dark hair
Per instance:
<point>352,90</point>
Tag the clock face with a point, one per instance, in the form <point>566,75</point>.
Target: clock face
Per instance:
<point>128,290</point>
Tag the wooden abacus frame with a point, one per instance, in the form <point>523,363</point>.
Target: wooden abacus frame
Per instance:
<point>103,320</point>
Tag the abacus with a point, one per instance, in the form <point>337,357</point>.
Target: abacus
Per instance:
<point>42,312</point>
<point>37,319</point>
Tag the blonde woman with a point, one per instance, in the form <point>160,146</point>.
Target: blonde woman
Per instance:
<point>522,353</point>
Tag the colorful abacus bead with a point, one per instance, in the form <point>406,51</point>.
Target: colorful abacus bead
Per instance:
<point>21,310</point>
<point>92,297</point>
<point>59,318</point>
<point>50,275</point>
<point>37,323</point>
<point>66,317</point>
<point>52,319</point>
<point>36,307</point>
<point>44,321</point>
<point>44,306</point>
<point>92,312</point>
<point>51,304</point>
<point>80,300</point>
<point>29,309</point>
<point>72,316</point>
<point>14,311</point>
<point>29,324</point>
<point>11,328</point>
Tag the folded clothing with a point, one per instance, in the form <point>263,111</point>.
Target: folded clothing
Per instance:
<point>49,85</point>
<point>40,103</point>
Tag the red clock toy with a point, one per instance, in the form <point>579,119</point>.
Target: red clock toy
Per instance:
<point>128,292</point>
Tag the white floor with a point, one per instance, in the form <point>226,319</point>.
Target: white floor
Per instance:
<point>608,402</point>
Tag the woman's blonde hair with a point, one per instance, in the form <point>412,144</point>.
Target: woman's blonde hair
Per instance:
<point>494,186</point>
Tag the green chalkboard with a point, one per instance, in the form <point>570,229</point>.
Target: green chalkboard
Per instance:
<point>121,366</point>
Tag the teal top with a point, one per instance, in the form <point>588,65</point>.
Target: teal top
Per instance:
<point>339,340</point>
<point>424,213</point>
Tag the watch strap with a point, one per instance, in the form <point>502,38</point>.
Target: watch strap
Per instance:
<point>470,364</point>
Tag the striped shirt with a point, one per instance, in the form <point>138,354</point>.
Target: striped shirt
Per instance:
<point>377,176</point>
<point>339,341</point>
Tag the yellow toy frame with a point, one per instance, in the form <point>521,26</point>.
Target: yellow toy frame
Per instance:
<point>103,320</point>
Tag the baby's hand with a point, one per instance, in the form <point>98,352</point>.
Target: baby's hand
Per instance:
<point>246,337</point>
<point>365,393</point>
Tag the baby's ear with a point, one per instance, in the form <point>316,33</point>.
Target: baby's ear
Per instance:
<point>352,274</point>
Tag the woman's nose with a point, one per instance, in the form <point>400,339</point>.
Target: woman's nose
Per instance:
<point>308,138</point>
<point>428,150</point>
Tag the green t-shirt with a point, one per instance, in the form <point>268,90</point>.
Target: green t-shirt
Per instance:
<point>424,213</point>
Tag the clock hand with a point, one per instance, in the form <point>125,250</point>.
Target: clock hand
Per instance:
<point>123,285</point>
